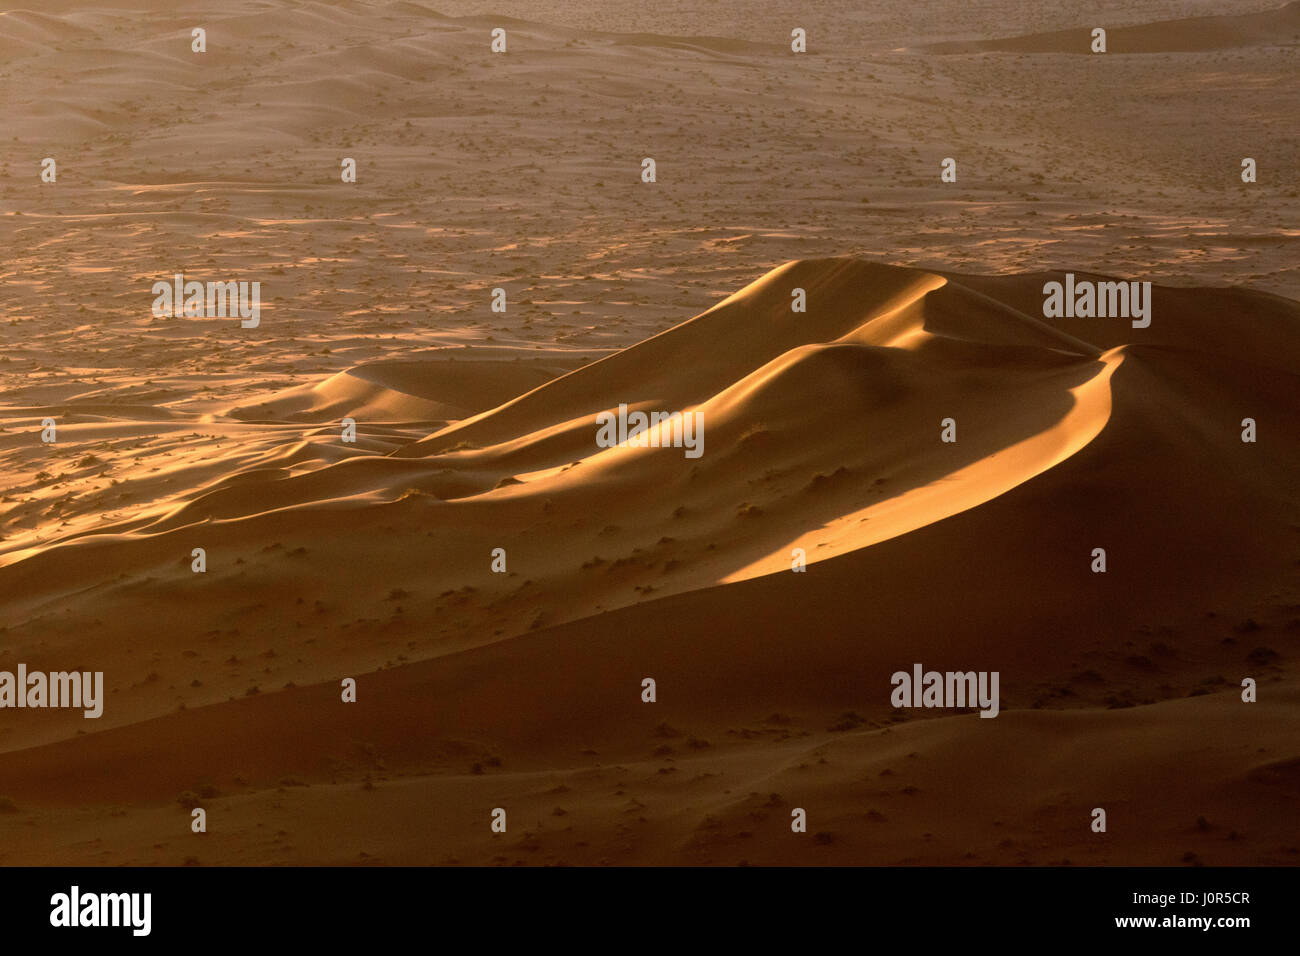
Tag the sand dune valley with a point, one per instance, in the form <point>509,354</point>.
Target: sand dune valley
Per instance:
<point>823,432</point>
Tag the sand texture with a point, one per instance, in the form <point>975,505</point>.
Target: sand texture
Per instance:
<point>476,430</point>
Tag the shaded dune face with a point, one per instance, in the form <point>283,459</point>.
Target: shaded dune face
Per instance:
<point>822,432</point>
<point>1280,27</point>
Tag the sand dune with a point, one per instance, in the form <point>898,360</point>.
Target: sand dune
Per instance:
<point>453,387</point>
<point>822,432</point>
<point>885,356</point>
<point>476,430</point>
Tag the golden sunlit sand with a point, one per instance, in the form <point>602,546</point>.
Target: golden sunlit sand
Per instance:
<point>477,430</point>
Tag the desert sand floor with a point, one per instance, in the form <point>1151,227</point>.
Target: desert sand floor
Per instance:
<point>522,690</point>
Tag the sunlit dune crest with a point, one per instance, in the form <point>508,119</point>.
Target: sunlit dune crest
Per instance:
<point>514,430</point>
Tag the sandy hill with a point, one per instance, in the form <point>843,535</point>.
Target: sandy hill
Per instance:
<point>822,432</point>
<point>454,385</point>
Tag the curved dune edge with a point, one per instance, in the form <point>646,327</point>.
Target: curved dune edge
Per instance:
<point>963,489</point>
<point>445,385</point>
<point>823,433</point>
<point>524,688</point>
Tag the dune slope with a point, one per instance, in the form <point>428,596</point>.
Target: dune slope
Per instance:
<point>1280,27</point>
<point>823,432</point>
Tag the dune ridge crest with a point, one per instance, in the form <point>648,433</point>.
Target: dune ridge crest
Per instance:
<point>880,350</point>
<point>823,439</point>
